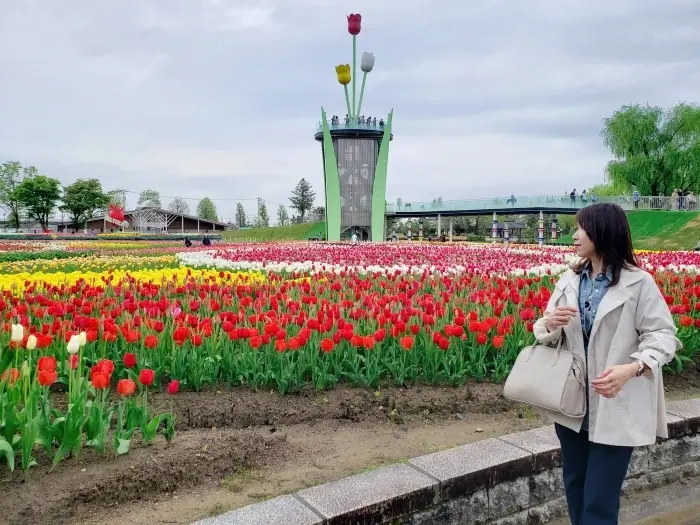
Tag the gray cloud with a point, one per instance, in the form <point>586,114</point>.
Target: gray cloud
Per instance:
<point>220,98</point>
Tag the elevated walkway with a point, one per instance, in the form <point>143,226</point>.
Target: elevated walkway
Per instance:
<point>559,204</point>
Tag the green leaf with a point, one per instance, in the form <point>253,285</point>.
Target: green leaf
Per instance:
<point>9,453</point>
<point>30,433</point>
<point>123,446</point>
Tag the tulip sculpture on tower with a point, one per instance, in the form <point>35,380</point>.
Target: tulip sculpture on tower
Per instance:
<point>355,156</point>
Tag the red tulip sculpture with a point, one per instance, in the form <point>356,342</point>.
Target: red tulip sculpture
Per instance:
<point>116,215</point>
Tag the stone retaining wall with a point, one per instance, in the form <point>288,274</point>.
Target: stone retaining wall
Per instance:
<point>511,480</point>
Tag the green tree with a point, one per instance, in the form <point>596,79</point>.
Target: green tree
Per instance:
<point>38,196</point>
<point>655,151</point>
<point>179,206</point>
<point>117,197</point>
<point>263,217</point>
<point>240,216</point>
<point>83,199</point>
<point>206,209</point>
<point>149,199</point>
<point>282,216</point>
<point>303,197</point>
<point>610,189</point>
<point>11,176</point>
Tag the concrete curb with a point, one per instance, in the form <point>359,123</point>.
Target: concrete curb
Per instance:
<point>511,480</point>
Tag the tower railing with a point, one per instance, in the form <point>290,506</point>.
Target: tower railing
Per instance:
<point>379,126</point>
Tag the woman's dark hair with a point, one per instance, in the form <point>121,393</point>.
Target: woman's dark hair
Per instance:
<point>607,227</point>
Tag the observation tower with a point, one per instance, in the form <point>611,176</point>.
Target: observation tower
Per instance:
<point>355,157</point>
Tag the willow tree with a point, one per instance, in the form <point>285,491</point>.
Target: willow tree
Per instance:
<point>654,150</point>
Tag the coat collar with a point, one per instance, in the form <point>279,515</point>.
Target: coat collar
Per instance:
<point>627,278</point>
<point>614,297</point>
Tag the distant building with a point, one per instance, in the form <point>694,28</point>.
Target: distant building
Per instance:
<point>156,220</point>
<point>515,230</point>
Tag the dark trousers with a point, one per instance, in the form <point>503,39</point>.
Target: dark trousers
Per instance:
<point>593,476</point>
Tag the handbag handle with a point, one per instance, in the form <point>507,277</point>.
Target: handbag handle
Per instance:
<point>559,350</point>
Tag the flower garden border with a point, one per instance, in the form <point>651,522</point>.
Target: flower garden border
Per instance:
<point>512,480</point>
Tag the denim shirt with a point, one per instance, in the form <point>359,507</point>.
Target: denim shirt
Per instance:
<point>591,293</point>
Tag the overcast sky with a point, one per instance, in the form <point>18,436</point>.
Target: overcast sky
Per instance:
<point>220,98</point>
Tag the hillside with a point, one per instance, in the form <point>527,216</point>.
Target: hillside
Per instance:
<point>294,232</point>
<point>661,230</point>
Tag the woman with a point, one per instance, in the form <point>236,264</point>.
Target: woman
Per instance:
<point>613,316</point>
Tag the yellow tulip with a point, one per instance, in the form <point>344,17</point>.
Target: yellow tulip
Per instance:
<point>343,72</point>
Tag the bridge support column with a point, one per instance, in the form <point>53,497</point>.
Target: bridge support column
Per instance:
<point>420,231</point>
<point>540,230</point>
<point>439,232</point>
<point>494,228</point>
<point>554,229</point>
<point>451,224</point>
<point>506,232</point>
<point>409,231</point>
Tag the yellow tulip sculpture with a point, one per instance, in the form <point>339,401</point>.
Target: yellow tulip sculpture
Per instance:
<point>344,78</point>
<point>344,75</point>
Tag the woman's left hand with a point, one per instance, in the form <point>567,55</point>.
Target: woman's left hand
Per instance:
<point>610,382</point>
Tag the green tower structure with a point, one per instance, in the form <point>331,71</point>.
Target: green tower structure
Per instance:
<point>355,157</point>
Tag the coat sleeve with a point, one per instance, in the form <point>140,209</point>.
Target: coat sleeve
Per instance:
<point>657,332</point>
<point>540,331</point>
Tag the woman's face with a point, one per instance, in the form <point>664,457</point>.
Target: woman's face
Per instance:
<point>583,245</point>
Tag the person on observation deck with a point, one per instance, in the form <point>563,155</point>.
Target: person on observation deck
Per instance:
<point>613,318</point>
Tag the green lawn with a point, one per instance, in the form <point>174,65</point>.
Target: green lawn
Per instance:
<point>295,232</point>
<point>661,230</point>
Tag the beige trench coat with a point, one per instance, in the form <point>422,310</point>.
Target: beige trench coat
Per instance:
<point>633,322</point>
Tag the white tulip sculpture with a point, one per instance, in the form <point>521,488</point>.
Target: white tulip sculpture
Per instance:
<point>366,65</point>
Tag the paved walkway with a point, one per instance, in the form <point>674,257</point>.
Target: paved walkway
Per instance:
<point>677,504</point>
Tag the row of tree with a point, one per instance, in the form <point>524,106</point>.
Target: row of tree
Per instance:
<point>26,195</point>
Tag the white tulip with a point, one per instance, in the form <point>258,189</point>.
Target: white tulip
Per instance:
<point>17,333</point>
<point>83,339</point>
<point>367,62</point>
<point>31,342</point>
<point>74,344</point>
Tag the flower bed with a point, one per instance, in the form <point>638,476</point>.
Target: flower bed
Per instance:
<point>315,314</point>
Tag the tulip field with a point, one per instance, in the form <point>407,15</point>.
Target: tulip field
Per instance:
<point>91,329</point>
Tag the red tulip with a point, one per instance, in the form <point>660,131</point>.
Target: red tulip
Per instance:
<point>47,377</point>
<point>99,380</point>
<point>11,375</point>
<point>126,387</point>
<point>173,387</point>
<point>151,341</point>
<point>146,377</point>
<point>354,24</point>
<point>46,363</point>
<point>406,342</point>
<point>327,345</point>
<point>129,360</point>
<point>686,321</point>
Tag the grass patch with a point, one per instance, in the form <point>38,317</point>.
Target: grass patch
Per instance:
<point>660,230</point>
<point>293,232</point>
<point>241,478</point>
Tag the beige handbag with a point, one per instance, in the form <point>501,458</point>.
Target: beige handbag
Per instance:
<point>549,378</point>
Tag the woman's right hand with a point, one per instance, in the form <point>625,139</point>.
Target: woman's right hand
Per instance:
<point>560,317</point>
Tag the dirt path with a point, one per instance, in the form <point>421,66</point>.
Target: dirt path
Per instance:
<point>313,455</point>
<point>237,447</point>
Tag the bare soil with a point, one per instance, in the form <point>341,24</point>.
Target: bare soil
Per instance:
<point>236,447</point>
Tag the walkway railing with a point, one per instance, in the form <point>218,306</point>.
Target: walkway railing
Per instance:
<point>688,203</point>
<point>379,126</point>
